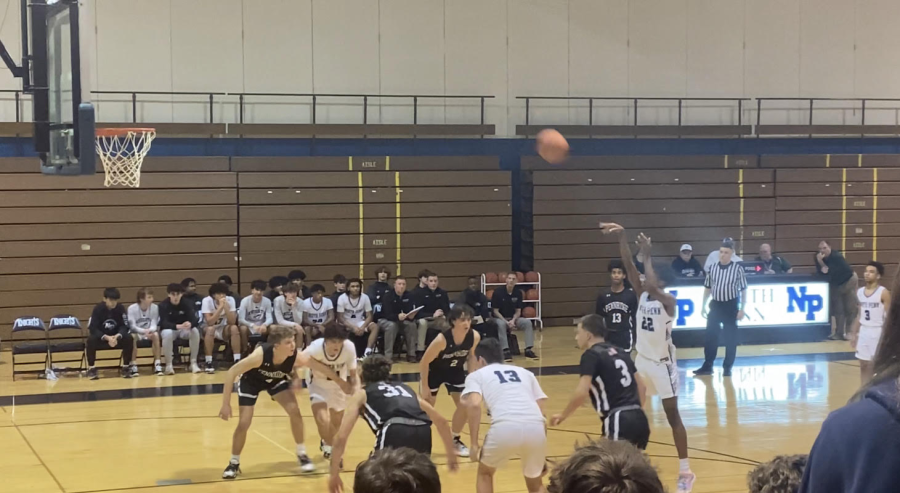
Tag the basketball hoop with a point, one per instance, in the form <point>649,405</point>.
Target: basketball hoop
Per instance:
<point>122,150</point>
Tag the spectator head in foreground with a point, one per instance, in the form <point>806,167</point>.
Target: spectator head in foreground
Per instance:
<point>605,466</point>
<point>400,470</point>
<point>780,475</point>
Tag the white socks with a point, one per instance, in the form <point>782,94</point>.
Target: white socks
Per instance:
<point>209,360</point>
<point>683,465</point>
<point>301,449</point>
<point>237,357</point>
<point>156,362</point>
<point>235,459</point>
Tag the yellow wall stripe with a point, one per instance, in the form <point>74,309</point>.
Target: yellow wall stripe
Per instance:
<point>362,241</point>
<point>874,213</point>
<point>859,161</point>
<point>387,163</point>
<point>828,160</point>
<point>726,161</point>
<point>397,216</point>
<point>350,163</point>
<point>741,194</point>
<point>844,211</point>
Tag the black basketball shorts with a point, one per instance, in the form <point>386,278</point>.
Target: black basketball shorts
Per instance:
<point>417,438</point>
<point>629,425</point>
<point>452,378</point>
<point>248,389</point>
<point>622,339</point>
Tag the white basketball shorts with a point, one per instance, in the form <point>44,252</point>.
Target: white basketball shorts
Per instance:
<point>325,392</point>
<point>526,440</point>
<point>661,377</point>
<point>868,342</point>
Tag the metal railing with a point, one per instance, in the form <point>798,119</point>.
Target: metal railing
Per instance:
<point>591,99</point>
<point>812,101</point>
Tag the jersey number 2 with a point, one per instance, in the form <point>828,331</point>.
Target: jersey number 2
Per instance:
<point>393,391</point>
<point>626,375</point>
<point>510,374</point>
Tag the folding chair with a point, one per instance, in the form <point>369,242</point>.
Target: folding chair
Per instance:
<point>66,340</point>
<point>29,337</point>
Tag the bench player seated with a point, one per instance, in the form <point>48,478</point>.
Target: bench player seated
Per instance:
<point>515,402</point>
<point>220,314</point>
<point>269,367</point>
<point>328,394</point>
<point>609,377</point>
<point>255,314</point>
<point>355,314</point>
<point>318,313</point>
<point>445,362</point>
<point>108,329</point>
<point>288,311</point>
<point>143,320</point>
<point>394,413</point>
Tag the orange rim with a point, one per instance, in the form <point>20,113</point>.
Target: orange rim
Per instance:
<point>118,131</point>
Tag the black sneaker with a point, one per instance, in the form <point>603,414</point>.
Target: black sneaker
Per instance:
<point>507,356</point>
<point>703,371</point>
<point>231,471</point>
<point>134,371</point>
<point>306,465</point>
<point>325,454</point>
<point>92,374</point>
<point>529,354</point>
<point>125,371</point>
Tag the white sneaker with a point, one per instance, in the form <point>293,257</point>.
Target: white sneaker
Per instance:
<point>306,465</point>
<point>368,352</point>
<point>157,368</point>
<point>195,368</point>
<point>461,449</point>
<point>686,482</point>
<point>170,370</point>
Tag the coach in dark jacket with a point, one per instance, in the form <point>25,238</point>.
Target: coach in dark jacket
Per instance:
<point>843,283</point>
<point>435,303</point>
<point>108,330</point>
<point>478,302</point>
<point>396,304</point>
<point>377,290</point>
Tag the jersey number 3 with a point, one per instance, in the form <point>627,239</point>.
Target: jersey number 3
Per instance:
<point>511,375</point>
<point>868,317</point>
<point>394,391</point>
<point>626,375</point>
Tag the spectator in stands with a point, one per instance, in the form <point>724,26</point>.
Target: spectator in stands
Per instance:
<point>430,319</point>
<point>220,313</point>
<point>143,320</point>
<point>843,282</point>
<point>397,470</point>
<point>685,265</point>
<point>713,257</point>
<point>396,313</point>
<point>289,311</point>
<point>423,276</point>
<point>226,280</point>
<point>355,313</point>
<point>507,304</point>
<point>193,297</point>
<point>605,466</point>
<point>780,475</point>
<point>177,319</point>
<point>482,321</point>
<point>254,315</point>
<point>297,277</point>
<point>773,264</point>
<point>318,313</point>
<point>276,284</point>
<point>378,289</point>
<point>108,329</point>
<point>340,287</point>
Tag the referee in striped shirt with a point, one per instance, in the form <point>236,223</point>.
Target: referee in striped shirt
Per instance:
<point>727,285</point>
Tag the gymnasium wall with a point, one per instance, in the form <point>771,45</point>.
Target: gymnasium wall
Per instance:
<point>789,201</point>
<point>66,238</point>
<point>504,48</point>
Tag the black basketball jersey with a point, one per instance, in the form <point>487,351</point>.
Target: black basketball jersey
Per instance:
<point>612,378</point>
<point>618,309</point>
<point>268,372</point>
<point>454,356</point>
<point>388,400</point>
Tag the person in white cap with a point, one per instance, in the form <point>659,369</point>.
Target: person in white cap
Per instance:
<point>685,265</point>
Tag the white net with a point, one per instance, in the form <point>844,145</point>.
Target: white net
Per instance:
<point>122,155</point>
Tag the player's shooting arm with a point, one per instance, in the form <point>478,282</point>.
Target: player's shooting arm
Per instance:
<point>357,401</point>
<point>578,397</point>
<point>444,431</point>
<point>435,348</point>
<point>652,283</point>
<point>631,271</point>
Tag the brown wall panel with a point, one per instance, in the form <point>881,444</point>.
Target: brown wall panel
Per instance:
<point>58,198</point>
<point>380,195</point>
<point>301,163</point>
<point>834,230</point>
<point>614,192</point>
<point>654,221</point>
<point>672,206</point>
<point>351,211</point>
<point>388,226</point>
<point>571,309</point>
<point>374,241</point>
<point>313,180</point>
<point>135,246</point>
<point>645,162</point>
<point>118,230</point>
<point>609,250</point>
<point>151,181</point>
<point>564,295</point>
<point>659,177</point>
<point>51,265</point>
<point>812,189</point>
<point>487,163</point>
<point>681,235</point>
<point>34,215</point>
<point>451,178</point>
<point>100,280</point>
<point>824,203</point>
<point>20,165</point>
<point>67,297</point>
<point>820,217</point>
<point>180,164</point>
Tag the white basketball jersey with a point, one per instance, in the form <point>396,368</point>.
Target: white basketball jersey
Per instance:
<point>871,309</point>
<point>509,392</point>
<point>654,329</point>
<point>340,364</point>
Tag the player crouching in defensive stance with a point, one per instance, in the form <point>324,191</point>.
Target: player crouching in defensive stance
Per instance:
<point>516,404</point>
<point>394,413</point>
<point>269,367</point>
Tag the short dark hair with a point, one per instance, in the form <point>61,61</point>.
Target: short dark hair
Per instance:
<point>780,475</point>
<point>258,285</point>
<point>279,333</point>
<point>380,270</point>
<point>398,278</point>
<point>878,266</point>
<point>459,311</point>
<point>606,465</point>
<point>355,280</point>
<point>728,243</point>
<point>334,333</point>
<point>218,288</point>
<point>339,279</point>
<point>276,281</point>
<point>595,324</point>
<point>297,274</point>
<point>489,349</point>
<point>111,294</point>
<point>187,281</point>
<point>290,288</point>
<point>226,279</point>
<point>376,368</point>
<point>425,273</point>
<point>477,278</point>
<point>616,264</point>
<point>174,288</point>
<point>317,288</point>
<point>398,470</point>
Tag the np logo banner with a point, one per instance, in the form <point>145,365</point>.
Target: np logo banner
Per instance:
<point>803,303</point>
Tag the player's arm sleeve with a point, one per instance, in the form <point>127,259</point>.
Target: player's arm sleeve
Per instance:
<point>742,279</point>
<point>473,384</point>
<point>446,304</point>
<point>164,321</point>
<point>340,306</point>
<point>132,317</point>
<point>154,318</point>
<point>589,361</point>
<point>123,322</point>
<point>242,312</point>
<point>268,308</point>
<point>279,315</point>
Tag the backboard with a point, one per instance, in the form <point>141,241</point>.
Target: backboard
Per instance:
<point>60,80</point>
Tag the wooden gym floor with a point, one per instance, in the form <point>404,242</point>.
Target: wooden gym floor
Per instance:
<point>162,434</point>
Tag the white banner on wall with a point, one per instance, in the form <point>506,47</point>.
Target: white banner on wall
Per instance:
<point>801,303</point>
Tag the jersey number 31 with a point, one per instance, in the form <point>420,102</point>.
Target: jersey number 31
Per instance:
<point>394,391</point>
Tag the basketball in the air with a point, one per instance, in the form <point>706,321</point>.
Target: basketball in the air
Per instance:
<point>552,146</point>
